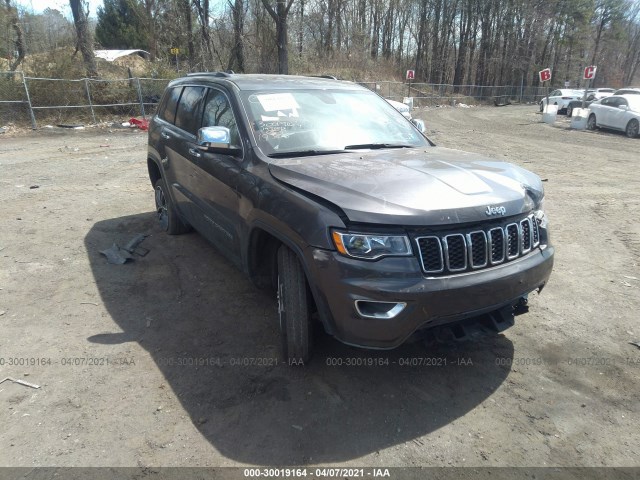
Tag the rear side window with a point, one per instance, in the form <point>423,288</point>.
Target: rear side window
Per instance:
<point>190,109</point>
<point>167,110</point>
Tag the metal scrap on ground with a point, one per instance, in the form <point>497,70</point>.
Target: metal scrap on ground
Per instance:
<point>119,255</point>
<point>21,382</point>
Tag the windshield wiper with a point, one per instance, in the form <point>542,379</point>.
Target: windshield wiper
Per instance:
<point>303,153</point>
<point>375,146</point>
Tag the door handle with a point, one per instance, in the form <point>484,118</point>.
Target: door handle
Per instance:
<point>195,153</point>
<point>165,135</point>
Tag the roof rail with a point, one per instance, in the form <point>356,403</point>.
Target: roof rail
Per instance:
<point>330,77</point>
<point>213,74</point>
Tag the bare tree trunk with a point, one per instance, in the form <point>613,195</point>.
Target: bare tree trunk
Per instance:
<point>85,42</point>
<point>237,51</point>
<point>186,9</point>
<point>279,16</point>
<point>19,42</point>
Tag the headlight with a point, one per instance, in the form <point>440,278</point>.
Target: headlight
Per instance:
<point>541,217</point>
<point>371,247</point>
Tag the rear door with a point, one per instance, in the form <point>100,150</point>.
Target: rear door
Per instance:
<point>178,138</point>
<point>604,112</point>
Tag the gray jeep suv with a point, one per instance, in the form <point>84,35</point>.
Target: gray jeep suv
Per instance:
<point>322,191</point>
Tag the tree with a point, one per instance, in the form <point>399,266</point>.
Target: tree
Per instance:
<point>279,15</point>
<point>120,25</point>
<point>85,42</point>
<point>19,41</point>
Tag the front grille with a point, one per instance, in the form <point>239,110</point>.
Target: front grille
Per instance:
<point>464,251</point>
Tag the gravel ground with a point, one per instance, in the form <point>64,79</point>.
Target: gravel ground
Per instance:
<point>135,363</point>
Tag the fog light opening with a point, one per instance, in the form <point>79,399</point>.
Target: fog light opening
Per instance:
<point>369,309</point>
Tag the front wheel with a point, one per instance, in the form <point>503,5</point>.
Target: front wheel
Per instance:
<point>591,122</point>
<point>293,308</point>
<point>166,212</point>
<point>632,128</point>
<point>541,107</point>
<point>570,111</point>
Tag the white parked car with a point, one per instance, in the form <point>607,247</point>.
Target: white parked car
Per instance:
<point>628,91</point>
<point>403,108</point>
<point>599,93</point>
<point>619,112</point>
<point>561,97</point>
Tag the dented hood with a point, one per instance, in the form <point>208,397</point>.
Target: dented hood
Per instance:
<point>413,186</point>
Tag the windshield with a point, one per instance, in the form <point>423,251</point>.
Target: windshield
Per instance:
<point>326,121</point>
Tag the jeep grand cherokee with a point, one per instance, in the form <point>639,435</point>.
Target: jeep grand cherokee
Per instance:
<point>322,191</point>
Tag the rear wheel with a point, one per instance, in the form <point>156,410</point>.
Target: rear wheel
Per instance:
<point>293,308</point>
<point>632,128</point>
<point>591,122</point>
<point>166,212</point>
<point>541,107</point>
<point>569,110</point>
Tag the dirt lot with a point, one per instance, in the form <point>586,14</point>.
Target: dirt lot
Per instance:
<point>108,344</point>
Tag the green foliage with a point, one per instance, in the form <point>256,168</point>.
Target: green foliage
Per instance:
<point>121,25</point>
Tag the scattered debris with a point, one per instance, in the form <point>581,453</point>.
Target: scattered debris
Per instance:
<point>119,255</point>
<point>88,303</point>
<point>2,312</point>
<point>33,187</point>
<point>636,343</point>
<point>297,427</point>
<point>74,126</point>
<point>463,105</point>
<point>3,129</point>
<point>630,277</point>
<point>105,146</point>
<point>141,124</point>
<point>21,382</point>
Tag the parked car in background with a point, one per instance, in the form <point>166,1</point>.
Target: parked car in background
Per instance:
<point>573,104</point>
<point>618,112</point>
<point>561,97</point>
<point>405,110</point>
<point>628,91</point>
<point>600,93</point>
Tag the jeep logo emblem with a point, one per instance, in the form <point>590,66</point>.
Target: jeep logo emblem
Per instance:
<point>490,211</point>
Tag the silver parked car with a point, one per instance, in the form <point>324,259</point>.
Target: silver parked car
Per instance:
<point>618,112</point>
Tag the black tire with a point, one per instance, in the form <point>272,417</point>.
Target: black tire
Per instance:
<point>569,110</point>
<point>166,213</point>
<point>541,107</point>
<point>632,128</point>
<point>591,122</point>
<point>293,308</point>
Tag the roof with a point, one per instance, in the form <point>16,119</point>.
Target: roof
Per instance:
<point>111,55</point>
<point>259,81</point>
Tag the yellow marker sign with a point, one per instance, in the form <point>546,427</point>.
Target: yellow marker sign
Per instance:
<point>175,51</point>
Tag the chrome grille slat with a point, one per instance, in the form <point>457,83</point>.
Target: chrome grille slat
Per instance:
<point>455,252</point>
<point>476,249</point>
<point>496,245</point>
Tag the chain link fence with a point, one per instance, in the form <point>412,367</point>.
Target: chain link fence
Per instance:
<point>432,94</point>
<point>25,100</point>
<point>49,100</point>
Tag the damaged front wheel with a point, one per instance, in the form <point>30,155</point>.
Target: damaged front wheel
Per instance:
<point>166,212</point>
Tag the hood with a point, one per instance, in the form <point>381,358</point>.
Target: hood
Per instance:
<point>414,186</point>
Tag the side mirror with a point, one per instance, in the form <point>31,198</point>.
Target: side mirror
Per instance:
<point>419,124</point>
<point>216,140</point>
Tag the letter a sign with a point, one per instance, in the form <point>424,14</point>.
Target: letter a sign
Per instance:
<point>411,75</point>
<point>545,75</point>
<point>590,72</point>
